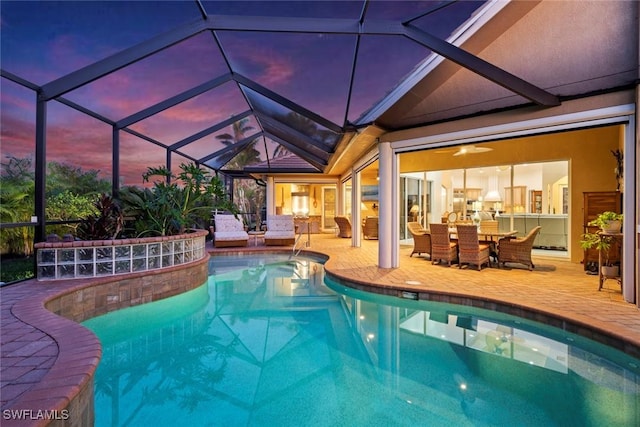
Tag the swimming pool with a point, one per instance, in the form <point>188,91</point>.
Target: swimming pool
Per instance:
<point>271,341</point>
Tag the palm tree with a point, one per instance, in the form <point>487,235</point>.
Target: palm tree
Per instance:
<point>247,194</point>
<point>247,156</point>
<point>280,151</point>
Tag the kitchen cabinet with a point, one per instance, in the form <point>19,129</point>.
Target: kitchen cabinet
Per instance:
<point>519,199</point>
<point>472,195</point>
<point>536,202</point>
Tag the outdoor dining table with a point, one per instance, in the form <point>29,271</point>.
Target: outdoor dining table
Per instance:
<point>485,236</point>
<point>493,236</point>
<point>490,237</point>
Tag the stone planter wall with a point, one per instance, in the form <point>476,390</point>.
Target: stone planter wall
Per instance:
<point>102,258</point>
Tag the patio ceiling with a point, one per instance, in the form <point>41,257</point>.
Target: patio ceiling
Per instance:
<point>250,87</point>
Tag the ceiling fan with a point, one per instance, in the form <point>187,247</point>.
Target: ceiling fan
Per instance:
<point>471,149</point>
<point>467,149</point>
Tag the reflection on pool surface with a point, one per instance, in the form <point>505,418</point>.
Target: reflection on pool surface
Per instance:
<point>267,342</point>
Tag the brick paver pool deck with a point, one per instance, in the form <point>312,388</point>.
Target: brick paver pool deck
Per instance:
<point>556,291</point>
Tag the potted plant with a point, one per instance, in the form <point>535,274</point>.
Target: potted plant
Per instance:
<point>609,222</point>
<point>602,242</point>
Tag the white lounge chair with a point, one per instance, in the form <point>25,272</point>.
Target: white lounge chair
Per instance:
<point>229,231</point>
<point>281,230</point>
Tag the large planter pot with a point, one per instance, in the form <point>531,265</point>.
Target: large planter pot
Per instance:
<point>612,227</point>
<point>610,270</point>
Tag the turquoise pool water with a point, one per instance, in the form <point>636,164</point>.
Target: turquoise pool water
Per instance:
<point>270,342</point>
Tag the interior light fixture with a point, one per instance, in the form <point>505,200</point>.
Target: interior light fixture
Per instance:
<point>493,196</point>
<point>471,149</point>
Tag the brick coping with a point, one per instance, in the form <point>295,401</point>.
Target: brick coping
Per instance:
<point>119,242</point>
<point>32,314</point>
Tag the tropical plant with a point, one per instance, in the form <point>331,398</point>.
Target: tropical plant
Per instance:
<point>17,190</point>
<point>63,177</point>
<point>68,206</point>
<point>173,203</point>
<point>280,151</point>
<point>106,223</point>
<point>70,194</point>
<point>249,154</point>
<point>247,194</point>
<point>603,219</point>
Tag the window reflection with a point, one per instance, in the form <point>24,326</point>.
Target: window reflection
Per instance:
<point>486,336</point>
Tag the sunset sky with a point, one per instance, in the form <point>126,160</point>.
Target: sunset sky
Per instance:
<point>44,41</point>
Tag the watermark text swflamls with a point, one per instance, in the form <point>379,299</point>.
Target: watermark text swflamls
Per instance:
<point>31,414</point>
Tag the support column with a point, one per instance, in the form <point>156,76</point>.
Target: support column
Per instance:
<point>115,161</point>
<point>386,217</point>
<point>40,170</point>
<point>271,200</point>
<point>356,215</point>
<point>340,198</point>
<point>168,165</point>
<point>631,208</point>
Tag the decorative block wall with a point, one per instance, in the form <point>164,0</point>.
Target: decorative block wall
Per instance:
<point>100,258</point>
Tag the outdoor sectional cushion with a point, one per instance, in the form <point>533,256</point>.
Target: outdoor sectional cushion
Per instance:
<point>229,228</point>
<point>280,227</point>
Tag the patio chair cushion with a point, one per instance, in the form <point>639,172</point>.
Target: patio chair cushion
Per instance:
<point>229,231</point>
<point>280,230</point>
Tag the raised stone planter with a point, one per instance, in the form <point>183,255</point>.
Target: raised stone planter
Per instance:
<point>100,258</point>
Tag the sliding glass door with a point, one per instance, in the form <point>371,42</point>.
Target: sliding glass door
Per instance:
<point>415,194</point>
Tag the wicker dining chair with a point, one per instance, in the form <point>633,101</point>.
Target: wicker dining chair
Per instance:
<point>344,226</point>
<point>517,250</point>
<point>421,239</point>
<point>370,227</point>
<point>470,250</point>
<point>442,248</point>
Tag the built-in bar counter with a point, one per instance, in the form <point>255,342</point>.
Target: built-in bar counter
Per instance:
<point>553,234</point>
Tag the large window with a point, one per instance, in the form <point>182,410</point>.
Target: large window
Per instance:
<point>520,197</point>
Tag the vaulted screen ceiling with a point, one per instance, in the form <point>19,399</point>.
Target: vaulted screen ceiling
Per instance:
<point>258,87</point>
